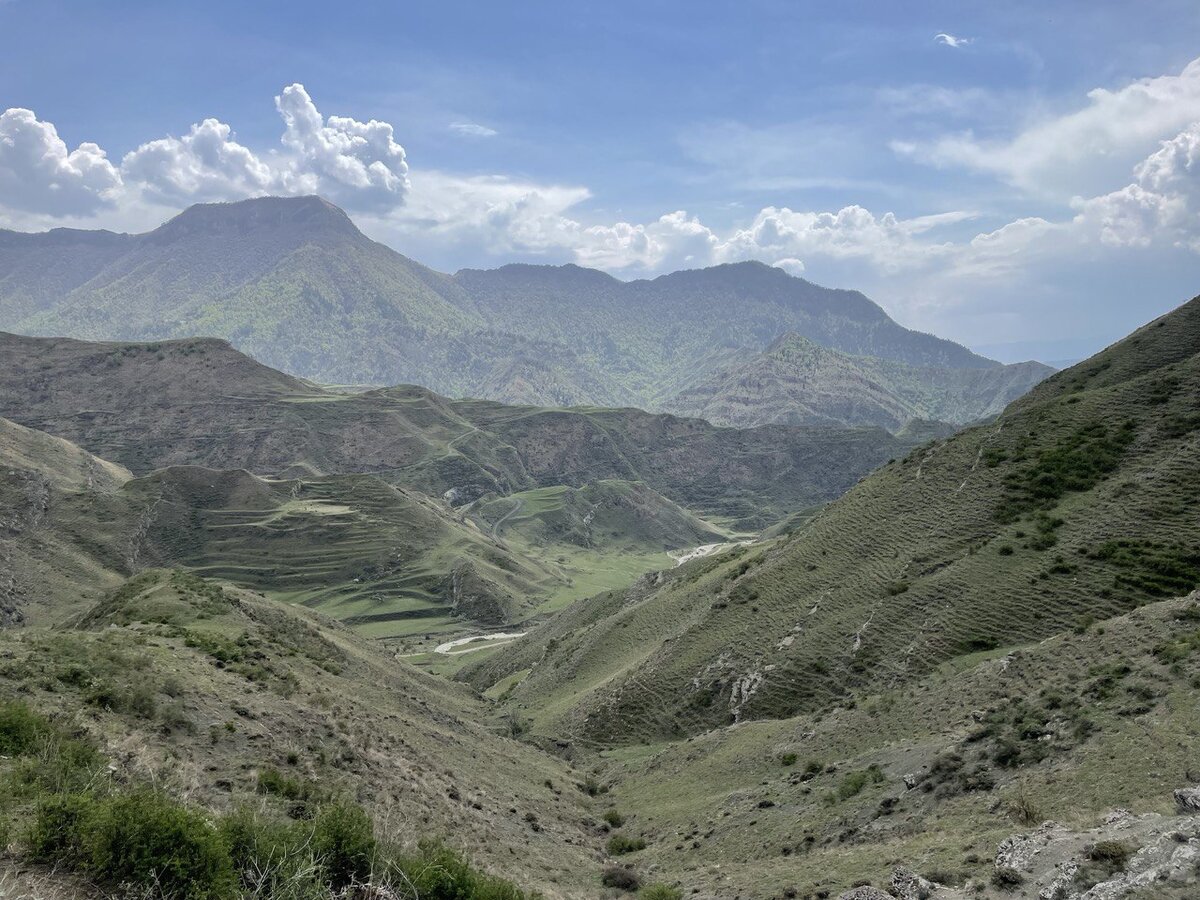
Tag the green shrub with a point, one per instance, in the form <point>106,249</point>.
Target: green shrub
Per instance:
<point>1112,853</point>
<point>21,729</point>
<point>343,841</point>
<point>788,759</point>
<point>614,818</point>
<point>139,838</point>
<point>272,781</point>
<point>440,873</point>
<point>272,858</point>
<point>660,892</point>
<point>56,832</point>
<point>852,783</point>
<point>620,844</point>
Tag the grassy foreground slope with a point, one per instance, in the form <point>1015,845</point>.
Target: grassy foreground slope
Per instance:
<point>228,700</point>
<point>1033,772</point>
<point>1076,504</point>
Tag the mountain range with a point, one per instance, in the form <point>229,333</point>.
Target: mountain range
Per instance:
<point>952,665</point>
<point>271,631</point>
<point>293,283</point>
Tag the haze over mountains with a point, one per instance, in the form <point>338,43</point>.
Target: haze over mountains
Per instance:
<point>293,283</point>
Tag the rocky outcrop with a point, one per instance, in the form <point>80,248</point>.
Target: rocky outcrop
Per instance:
<point>865,892</point>
<point>1187,800</point>
<point>908,885</point>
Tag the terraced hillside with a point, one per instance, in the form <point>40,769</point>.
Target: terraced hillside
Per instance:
<point>1075,505</point>
<point>385,559</point>
<point>243,706</point>
<point>199,402</point>
<point>797,381</point>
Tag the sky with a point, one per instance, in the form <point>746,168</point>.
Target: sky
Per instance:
<point>1023,177</point>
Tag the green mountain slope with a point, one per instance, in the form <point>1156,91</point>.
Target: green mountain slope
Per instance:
<point>797,381</point>
<point>1074,505</point>
<point>293,282</point>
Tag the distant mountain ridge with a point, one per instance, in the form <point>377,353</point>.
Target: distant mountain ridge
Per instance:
<point>796,381</point>
<point>294,283</point>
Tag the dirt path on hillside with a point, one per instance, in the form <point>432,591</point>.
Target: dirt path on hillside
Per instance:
<point>517,504</point>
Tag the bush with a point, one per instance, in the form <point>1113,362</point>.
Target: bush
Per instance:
<point>1112,853</point>
<point>343,841</point>
<point>853,783</point>
<point>271,858</point>
<point>439,873</point>
<point>660,892</point>
<point>146,838</point>
<point>620,844</point>
<point>614,818</point>
<point>140,838</point>
<point>621,878</point>
<point>788,759</point>
<point>1007,879</point>
<point>21,729</point>
<point>56,833</point>
<point>1024,812</point>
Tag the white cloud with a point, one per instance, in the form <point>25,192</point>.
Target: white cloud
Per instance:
<point>949,40</point>
<point>790,265</point>
<point>1082,151</point>
<point>348,161</point>
<point>205,164</point>
<point>39,174</point>
<point>887,242</point>
<point>356,164</point>
<point>473,129</point>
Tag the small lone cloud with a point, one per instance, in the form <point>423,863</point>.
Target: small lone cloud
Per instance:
<point>791,265</point>
<point>473,129</point>
<point>950,40</point>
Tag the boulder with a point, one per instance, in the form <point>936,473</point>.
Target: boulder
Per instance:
<point>865,892</point>
<point>1187,800</point>
<point>908,885</point>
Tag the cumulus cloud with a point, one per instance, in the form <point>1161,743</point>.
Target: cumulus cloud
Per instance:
<point>357,164</point>
<point>948,40</point>
<point>473,129</point>
<point>344,159</point>
<point>790,265</point>
<point>205,164</point>
<point>1081,151</point>
<point>39,174</point>
<point>888,242</point>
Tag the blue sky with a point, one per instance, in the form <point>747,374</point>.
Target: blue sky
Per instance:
<point>1027,183</point>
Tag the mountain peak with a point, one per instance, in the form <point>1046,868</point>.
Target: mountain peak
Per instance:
<point>792,340</point>
<point>307,214</point>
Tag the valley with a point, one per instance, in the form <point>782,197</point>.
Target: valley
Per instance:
<point>589,651</point>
